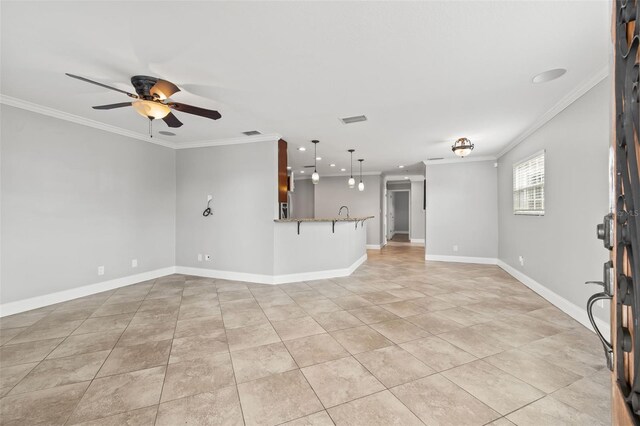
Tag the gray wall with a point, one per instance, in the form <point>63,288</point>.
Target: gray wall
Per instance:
<point>417,212</point>
<point>401,211</point>
<point>240,234</point>
<point>75,198</point>
<point>462,209</point>
<point>303,199</point>
<point>333,192</point>
<point>560,249</point>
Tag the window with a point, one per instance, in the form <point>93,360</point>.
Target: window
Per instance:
<point>528,186</point>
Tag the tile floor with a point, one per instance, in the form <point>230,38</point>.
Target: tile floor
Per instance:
<point>400,342</point>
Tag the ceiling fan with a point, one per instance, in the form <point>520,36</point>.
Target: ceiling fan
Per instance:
<point>152,100</point>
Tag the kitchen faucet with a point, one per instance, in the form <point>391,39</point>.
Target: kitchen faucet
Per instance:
<point>340,211</point>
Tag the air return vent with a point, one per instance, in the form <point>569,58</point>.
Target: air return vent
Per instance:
<point>354,119</point>
<point>435,158</point>
<point>252,133</point>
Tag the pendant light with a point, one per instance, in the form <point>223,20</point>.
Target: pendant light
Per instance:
<point>462,147</point>
<point>361,184</point>
<point>315,177</point>
<point>351,181</point>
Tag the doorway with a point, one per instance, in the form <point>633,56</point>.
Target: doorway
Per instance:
<point>399,216</point>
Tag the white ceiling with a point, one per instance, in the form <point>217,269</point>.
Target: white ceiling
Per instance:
<point>424,73</point>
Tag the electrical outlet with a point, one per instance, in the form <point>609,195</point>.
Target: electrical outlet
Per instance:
<point>199,258</point>
<point>100,270</point>
<point>207,257</point>
<point>455,248</point>
<point>521,260</point>
<point>134,263</point>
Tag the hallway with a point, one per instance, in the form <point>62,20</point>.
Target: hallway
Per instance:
<point>401,341</point>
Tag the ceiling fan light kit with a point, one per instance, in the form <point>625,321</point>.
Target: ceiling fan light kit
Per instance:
<point>462,147</point>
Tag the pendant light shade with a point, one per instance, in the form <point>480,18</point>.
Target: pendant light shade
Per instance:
<point>315,177</point>
<point>361,184</point>
<point>462,147</point>
<point>351,182</point>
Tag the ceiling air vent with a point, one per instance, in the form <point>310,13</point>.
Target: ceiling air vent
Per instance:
<point>435,158</point>
<point>354,119</point>
<point>252,133</point>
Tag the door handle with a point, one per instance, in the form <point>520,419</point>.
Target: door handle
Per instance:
<point>606,345</point>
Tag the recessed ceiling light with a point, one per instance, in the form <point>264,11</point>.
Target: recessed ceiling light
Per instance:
<point>332,165</point>
<point>318,158</point>
<point>406,177</point>
<point>301,171</point>
<point>343,170</point>
<point>288,167</point>
<point>401,167</point>
<point>302,148</point>
<point>546,76</point>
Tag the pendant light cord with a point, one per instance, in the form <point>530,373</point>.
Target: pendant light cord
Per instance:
<point>351,164</point>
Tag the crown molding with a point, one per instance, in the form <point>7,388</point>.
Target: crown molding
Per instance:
<point>270,137</point>
<point>560,106</point>
<point>460,160</point>
<point>51,112</point>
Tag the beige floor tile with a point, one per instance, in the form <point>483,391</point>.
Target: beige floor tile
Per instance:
<point>533,370</point>
<point>320,418</point>
<point>431,304</point>
<point>406,308</point>
<point>243,318</point>
<point>220,407</point>
<point>24,353</point>
<point>464,316</point>
<point>141,417</point>
<point>500,422</point>
<point>145,333</point>
<point>116,309</point>
<point>297,327</point>
<point>434,323</point>
<point>61,371</point>
<point>284,312</point>
<point>499,390</point>
<point>46,330</point>
<point>373,314</point>
<point>475,342</point>
<point>194,347</point>
<point>340,381</point>
<point>405,293</point>
<point>255,363</point>
<point>399,331</point>
<point>438,401</point>
<point>380,297</point>
<point>228,296</point>
<point>319,306</point>
<point>203,326</point>
<point>557,350</point>
<point>315,349</point>
<point>197,376</point>
<point>393,366</point>
<point>277,398</point>
<point>137,357</point>
<point>117,394</point>
<point>11,375</point>
<point>549,411</point>
<point>84,343</point>
<point>554,316</point>
<point>351,302</point>
<point>378,409</point>
<point>104,324</point>
<point>360,339</point>
<point>588,397</point>
<point>249,337</point>
<point>339,320</point>
<point>437,353</point>
<point>9,333</point>
<point>24,319</point>
<point>27,408</point>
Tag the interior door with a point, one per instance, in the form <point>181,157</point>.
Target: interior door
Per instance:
<point>620,230</point>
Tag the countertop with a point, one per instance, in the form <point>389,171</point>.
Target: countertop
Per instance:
<point>325,219</point>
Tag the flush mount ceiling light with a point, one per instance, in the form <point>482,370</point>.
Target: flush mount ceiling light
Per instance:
<point>301,171</point>
<point>361,184</point>
<point>315,177</point>
<point>462,147</point>
<point>343,170</point>
<point>549,75</point>
<point>406,178</point>
<point>401,167</point>
<point>351,182</point>
<point>302,148</point>
<point>288,167</point>
<point>318,158</point>
<point>332,165</point>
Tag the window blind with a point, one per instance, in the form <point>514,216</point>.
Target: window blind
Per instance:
<point>528,186</point>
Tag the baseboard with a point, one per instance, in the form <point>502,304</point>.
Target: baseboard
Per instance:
<point>16,307</point>
<point>417,241</point>
<point>574,311</point>
<point>374,246</point>
<point>271,279</point>
<point>401,232</point>
<point>461,259</point>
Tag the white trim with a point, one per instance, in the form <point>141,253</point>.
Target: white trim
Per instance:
<point>11,308</point>
<point>460,160</point>
<point>51,112</point>
<point>416,240</point>
<point>271,279</point>
<point>461,259</point>
<point>560,106</point>
<point>401,232</point>
<point>271,137</point>
<point>374,246</point>
<point>576,312</point>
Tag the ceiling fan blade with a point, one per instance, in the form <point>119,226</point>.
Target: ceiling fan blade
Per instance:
<point>101,85</point>
<point>112,106</point>
<point>163,89</point>
<point>208,113</point>
<point>172,120</point>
